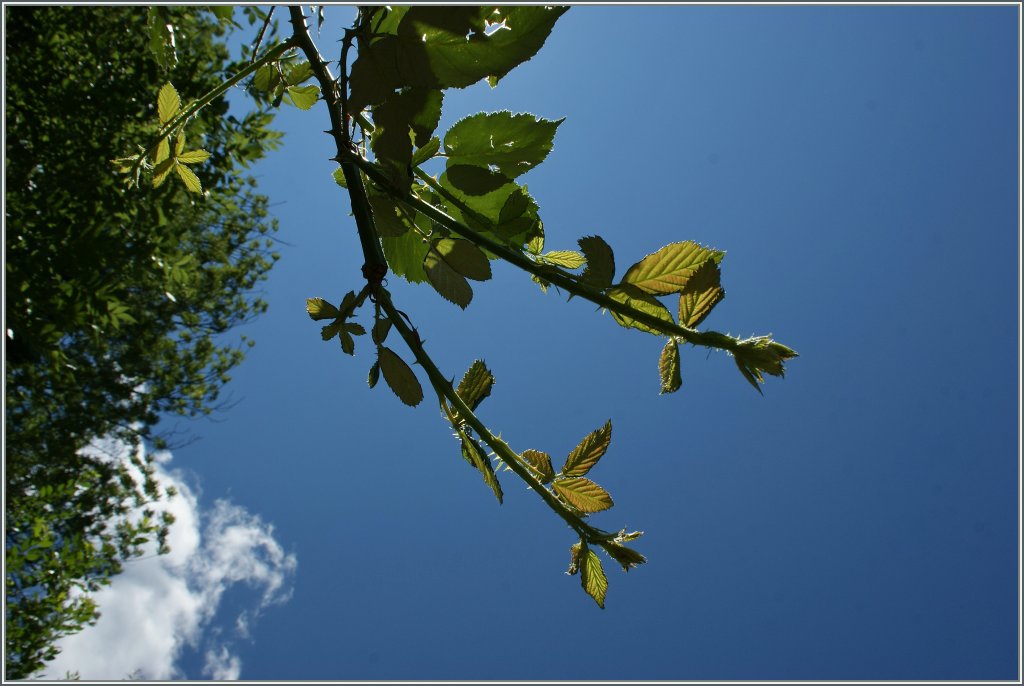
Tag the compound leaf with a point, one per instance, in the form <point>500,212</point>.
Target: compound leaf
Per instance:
<point>589,451</point>
<point>583,494</point>
<point>669,269</point>
<point>399,377</point>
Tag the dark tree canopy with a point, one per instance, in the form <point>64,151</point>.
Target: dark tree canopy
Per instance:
<point>114,303</point>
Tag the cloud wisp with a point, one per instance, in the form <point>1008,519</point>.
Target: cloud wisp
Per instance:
<point>161,604</point>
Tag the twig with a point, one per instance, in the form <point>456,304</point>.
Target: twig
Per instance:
<point>263,30</point>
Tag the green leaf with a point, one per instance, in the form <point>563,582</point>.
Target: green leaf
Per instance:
<point>399,376</point>
<point>583,494</point>
<point>541,464</point>
<point>668,367</point>
<point>702,292</point>
<point>761,354</point>
<point>168,103</point>
<point>600,262</point>
<point>472,452</point>
<point>318,308</point>
<point>416,110</point>
<point>348,344</point>
<point>476,384</point>
<point>465,258</point>
<point>297,73</point>
<point>339,177</point>
<point>475,180</point>
<point>193,157</point>
<point>381,329</point>
<point>303,97</point>
<point>374,374</point>
<point>449,283</point>
<point>632,296</point>
<point>514,206</point>
<point>595,583</point>
<point>445,47</point>
<point>589,451</point>
<point>512,143</point>
<point>426,151</point>
<point>405,255</point>
<point>570,259</point>
<point>669,269</point>
<point>161,37</point>
<point>189,178</point>
<point>627,557</point>
<point>355,329</point>
<point>390,218</point>
<point>163,151</point>
<point>331,330</point>
<point>162,169</point>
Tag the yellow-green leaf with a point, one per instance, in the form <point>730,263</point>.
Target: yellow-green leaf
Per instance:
<point>632,296</point>
<point>168,103</point>
<point>570,259</point>
<point>191,180</point>
<point>476,384</point>
<point>339,177</point>
<point>179,144</point>
<point>426,151</point>
<point>318,308</point>
<point>668,367</point>
<point>627,557</point>
<point>400,377</point>
<point>193,156</point>
<point>162,171</point>
<point>702,292</point>
<point>583,494</point>
<point>163,151</point>
<point>589,451</point>
<point>475,455</point>
<point>669,269</point>
<point>595,583</point>
<point>304,97</point>
<point>541,464</point>
<point>574,558</point>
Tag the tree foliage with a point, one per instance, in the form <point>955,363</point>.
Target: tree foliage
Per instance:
<point>115,301</point>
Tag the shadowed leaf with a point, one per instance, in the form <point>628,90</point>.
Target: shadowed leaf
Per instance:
<point>600,262</point>
<point>702,292</point>
<point>400,377</point>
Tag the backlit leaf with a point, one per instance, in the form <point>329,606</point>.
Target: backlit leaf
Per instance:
<point>390,218</point>
<point>702,292</point>
<point>339,177</point>
<point>600,262</point>
<point>570,259</point>
<point>399,377</point>
<point>476,384</point>
<point>303,97</point>
<point>627,557</point>
<point>193,157</point>
<point>669,269</point>
<point>465,258</point>
<point>162,170</point>
<point>449,283</point>
<point>405,255</point>
<point>381,329</point>
<point>541,463</point>
<point>513,143</point>
<point>426,151</point>
<point>668,367</point>
<point>629,294</point>
<point>348,344</point>
<point>163,151</point>
<point>475,455</point>
<point>595,583</point>
<point>575,552</point>
<point>374,374</point>
<point>318,309</point>
<point>188,176</point>
<point>583,494</point>
<point>475,180</point>
<point>589,451</point>
<point>168,103</point>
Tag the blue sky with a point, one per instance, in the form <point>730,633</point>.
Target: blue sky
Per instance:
<point>859,521</point>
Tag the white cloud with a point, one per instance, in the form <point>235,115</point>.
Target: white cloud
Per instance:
<point>160,604</point>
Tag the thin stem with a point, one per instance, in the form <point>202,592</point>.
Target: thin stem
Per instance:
<point>444,388</point>
<point>565,281</point>
<point>375,266</point>
<point>263,30</point>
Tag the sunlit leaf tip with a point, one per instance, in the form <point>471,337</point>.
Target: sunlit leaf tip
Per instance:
<point>318,309</point>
